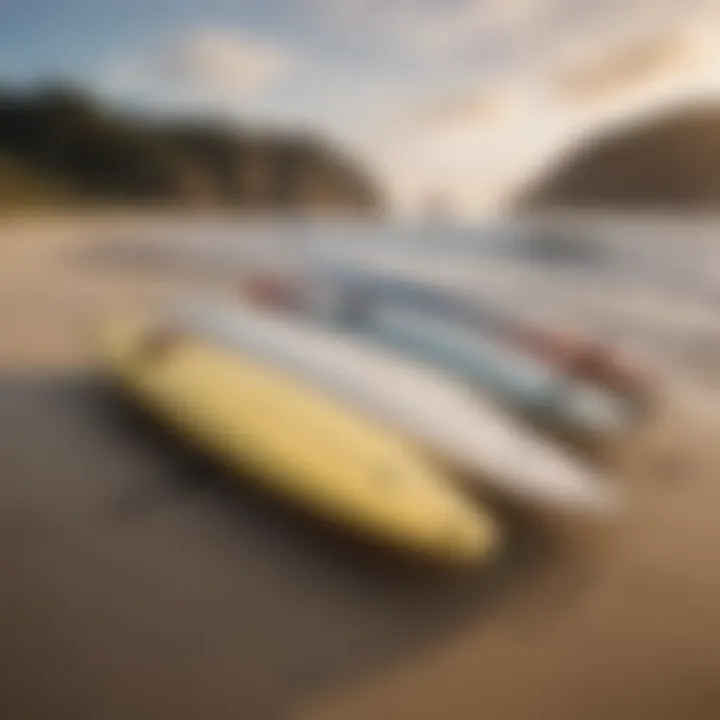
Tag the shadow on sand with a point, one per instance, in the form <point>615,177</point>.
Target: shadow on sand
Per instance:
<point>146,583</point>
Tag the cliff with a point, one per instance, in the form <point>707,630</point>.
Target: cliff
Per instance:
<point>64,140</point>
<point>672,161</point>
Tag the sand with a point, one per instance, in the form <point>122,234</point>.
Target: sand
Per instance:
<point>136,583</point>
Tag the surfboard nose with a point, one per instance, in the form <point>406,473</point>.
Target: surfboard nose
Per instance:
<point>472,538</point>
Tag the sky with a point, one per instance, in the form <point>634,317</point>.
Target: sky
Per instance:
<point>458,101</point>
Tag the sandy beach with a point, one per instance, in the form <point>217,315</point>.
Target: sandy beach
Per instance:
<point>137,583</point>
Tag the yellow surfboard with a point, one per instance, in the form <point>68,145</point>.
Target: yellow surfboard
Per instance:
<point>300,445</point>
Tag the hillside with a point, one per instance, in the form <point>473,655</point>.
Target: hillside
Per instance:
<point>64,140</point>
<point>22,186</point>
<point>672,161</point>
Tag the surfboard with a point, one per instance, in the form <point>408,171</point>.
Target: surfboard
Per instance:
<point>465,429</point>
<point>474,344</point>
<point>295,442</point>
<point>532,369</point>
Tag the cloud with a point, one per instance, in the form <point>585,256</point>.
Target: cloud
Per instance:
<point>503,33</point>
<point>627,68</point>
<point>440,27</point>
<point>461,26</point>
<point>471,108</point>
<point>205,67</point>
<point>222,62</point>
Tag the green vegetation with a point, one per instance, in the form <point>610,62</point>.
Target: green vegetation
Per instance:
<point>57,145</point>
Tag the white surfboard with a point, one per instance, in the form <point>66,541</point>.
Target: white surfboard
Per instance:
<point>464,428</point>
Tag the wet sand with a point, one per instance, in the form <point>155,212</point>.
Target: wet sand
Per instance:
<point>137,583</point>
